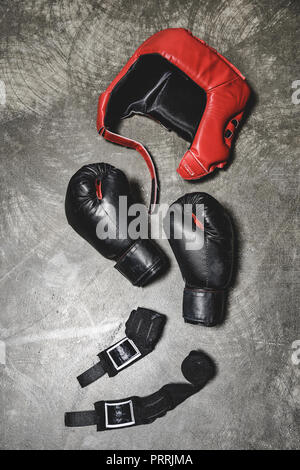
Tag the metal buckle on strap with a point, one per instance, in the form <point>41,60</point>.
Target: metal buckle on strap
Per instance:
<point>118,415</point>
<point>123,353</point>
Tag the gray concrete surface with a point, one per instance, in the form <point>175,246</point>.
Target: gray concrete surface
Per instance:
<point>61,303</point>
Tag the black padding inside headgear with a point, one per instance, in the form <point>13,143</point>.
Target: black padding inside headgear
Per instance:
<point>155,87</point>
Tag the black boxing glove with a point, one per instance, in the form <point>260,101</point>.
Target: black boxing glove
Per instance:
<point>93,197</point>
<point>207,268</point>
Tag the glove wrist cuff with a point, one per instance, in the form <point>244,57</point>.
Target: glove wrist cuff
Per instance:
<point>204,307</point>
<point>143,261</point>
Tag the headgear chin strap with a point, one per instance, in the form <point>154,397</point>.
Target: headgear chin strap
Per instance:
<point>178,80</point>
<point>130,143</point>
<point>143,330</point>
<point>197,368</point>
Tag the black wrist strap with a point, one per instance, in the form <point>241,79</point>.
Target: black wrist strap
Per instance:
<point>132,411</point>
<point>143,329</point>
<point>197,368</point>
<point>91,375</point>
<point>81,418</point>
<point>142,262</point>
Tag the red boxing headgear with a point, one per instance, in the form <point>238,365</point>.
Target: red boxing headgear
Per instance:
<point>190,88</point>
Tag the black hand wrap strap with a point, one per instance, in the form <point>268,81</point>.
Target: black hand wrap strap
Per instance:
<point>197,368</point>
<point>91,375</point>
<point>81,418</point>
<point>143,330</point>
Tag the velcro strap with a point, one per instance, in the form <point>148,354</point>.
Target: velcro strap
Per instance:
<point>91,375</point>
<point>81,418</point>
<point>203,307</point>
<point>141,262</point>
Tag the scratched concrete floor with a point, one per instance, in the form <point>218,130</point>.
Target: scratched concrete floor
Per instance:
<point>61,303</point>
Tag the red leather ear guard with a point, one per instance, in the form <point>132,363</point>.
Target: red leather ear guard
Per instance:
<point>186,85</point>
